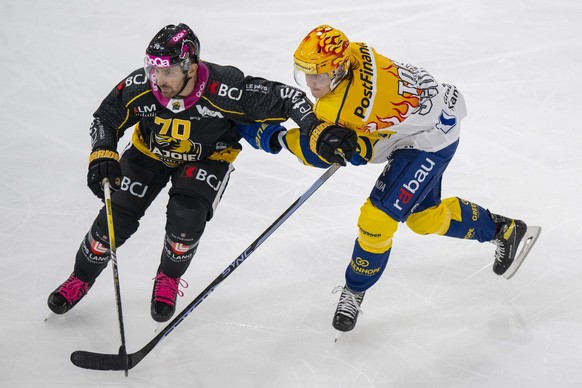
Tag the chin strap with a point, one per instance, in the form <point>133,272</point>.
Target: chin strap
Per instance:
<point>186,80</point>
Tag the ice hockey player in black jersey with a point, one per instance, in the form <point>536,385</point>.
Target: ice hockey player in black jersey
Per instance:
<point>188,117</point>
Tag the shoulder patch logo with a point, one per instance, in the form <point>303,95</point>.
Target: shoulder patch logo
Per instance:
<point>446,122</point>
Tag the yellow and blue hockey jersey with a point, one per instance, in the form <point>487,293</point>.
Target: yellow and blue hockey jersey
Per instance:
<point>391,106</point>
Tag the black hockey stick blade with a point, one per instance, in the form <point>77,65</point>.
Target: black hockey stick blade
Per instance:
<point>102,361</point>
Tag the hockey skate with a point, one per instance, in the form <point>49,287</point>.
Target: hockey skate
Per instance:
<point>164,296</point>
<point>514,239</point>
<point>348,308</point>
<point>68,294</point>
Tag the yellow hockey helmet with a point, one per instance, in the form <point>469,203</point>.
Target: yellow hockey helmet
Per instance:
<point>323,51</point>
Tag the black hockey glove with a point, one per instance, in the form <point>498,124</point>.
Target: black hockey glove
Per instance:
<point>103,164</point>
<point>333,143</point>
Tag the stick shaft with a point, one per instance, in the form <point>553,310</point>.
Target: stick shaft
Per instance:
<point>114,266</point>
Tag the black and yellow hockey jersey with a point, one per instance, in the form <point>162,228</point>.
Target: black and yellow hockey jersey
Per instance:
<point>201,125</point>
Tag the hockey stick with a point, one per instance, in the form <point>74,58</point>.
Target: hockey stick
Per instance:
<point>123,361</point>
<point>101,361</point>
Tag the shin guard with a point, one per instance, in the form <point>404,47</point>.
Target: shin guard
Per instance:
<point>365,268</point>
<point>92,257</point>
<point>185,224</point>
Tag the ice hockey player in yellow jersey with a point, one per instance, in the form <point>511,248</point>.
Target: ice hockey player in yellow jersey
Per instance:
<point>410,122</point>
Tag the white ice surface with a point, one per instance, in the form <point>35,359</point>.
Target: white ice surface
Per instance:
<point>439,317</point>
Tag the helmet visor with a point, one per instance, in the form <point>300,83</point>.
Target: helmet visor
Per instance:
<point>162,66</point>
<point>311,80</point>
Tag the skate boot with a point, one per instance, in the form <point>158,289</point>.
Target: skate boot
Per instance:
<point>348,308</point>
<point>508,238</point>
<point>68,295</point>
<point>164,296</point>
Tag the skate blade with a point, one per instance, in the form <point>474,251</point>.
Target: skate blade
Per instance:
<point>529,239</point>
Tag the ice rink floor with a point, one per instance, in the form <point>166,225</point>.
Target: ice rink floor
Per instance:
<point>439,317</point>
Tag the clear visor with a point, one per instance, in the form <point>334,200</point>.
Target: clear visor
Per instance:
<point>156,67</point>
<point>311,80</point>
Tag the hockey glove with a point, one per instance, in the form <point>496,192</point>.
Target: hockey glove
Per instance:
<point>333,143</point>
<point>103,164</point>
<point>262,136</point>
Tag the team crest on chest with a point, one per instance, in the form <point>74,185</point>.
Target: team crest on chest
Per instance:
<point>176,105</point>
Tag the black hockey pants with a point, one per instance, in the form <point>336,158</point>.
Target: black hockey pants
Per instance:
<point>196,189</point>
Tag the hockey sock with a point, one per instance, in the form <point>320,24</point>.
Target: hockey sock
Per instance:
<point>92,258</point>
<point>176,257</point>
<point>470,221</point>
<point>365,268</point>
